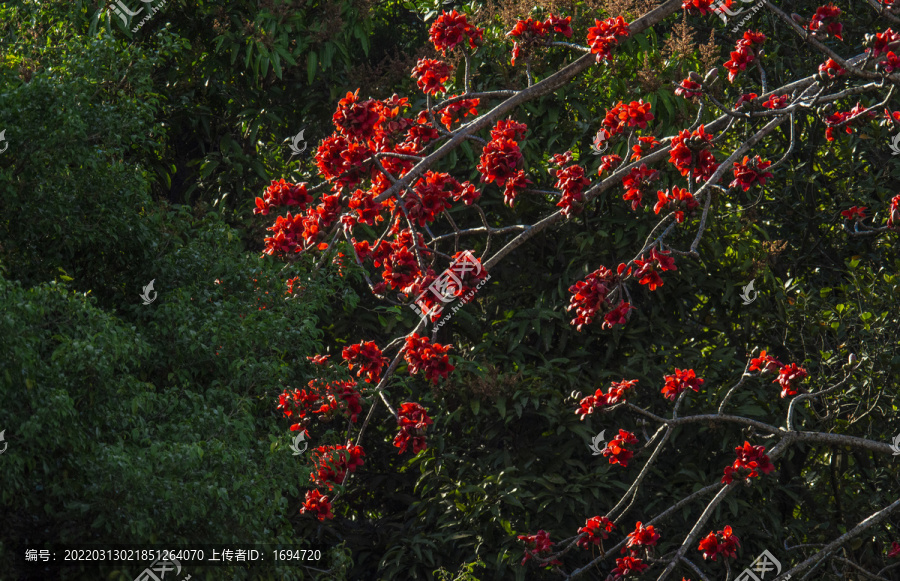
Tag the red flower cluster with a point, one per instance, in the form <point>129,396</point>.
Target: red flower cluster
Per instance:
<point>356,119</point>
<point>422,354</point>
<point>882,41</point>
<point>317,504</point>
<point>616,450</point>
<point>537,546</point>
<point>680,200</point>
<point>789,377</point>
<point>367,357</point>
<point>457,110</point>
<point>750,461</point>
<point>777,102</point>
<point>636,180</point>
<point>341,162</point>
<point>744,53</point>
<point>745,98</point>
<point>589,296</point>
<point>858,113</point>
<point>689,150</point>
<point>529,32</point>
<point>282,193</point>
<point>604,37</point>
<point>649,268</point>
<point>333,462</point>
<point>634,114</point>
<point>412,418</point>
<point>824,22</point>
<point>683,379</point>
<point>895,550</point>
<point>501,159</point>
<point>894,213</point>
<point>450,29</point>
<point>890,63</point>
<point>722,543</point>
<point>325,399</point>
<point>747,172</point>
<point>858,212</point>
<point>430,75</point>
<point>627,566</point>
<point>572,182</point>
<point>431,197</point>
<point>596,529</point>
<point>599,399</point>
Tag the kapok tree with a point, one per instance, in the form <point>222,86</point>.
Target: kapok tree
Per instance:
<point>379,176</point>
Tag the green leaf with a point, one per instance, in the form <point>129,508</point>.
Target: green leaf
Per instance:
<point>312,60</point>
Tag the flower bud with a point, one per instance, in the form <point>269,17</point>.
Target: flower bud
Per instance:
<point>694,76</point>
<point>711,75</point>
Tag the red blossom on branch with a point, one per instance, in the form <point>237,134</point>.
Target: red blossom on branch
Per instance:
<point>412,419</point>
<point>571,181</point>
<point>858,212</point>
<point>749,462</point>
<point>789,377</point>
<point>616,450</point>
<point>615,395</point>
<point>628,565</point>
<point>605,35</point>
<point>430,75</point>
<point>596,529</point>
<point>452,28</point>
<point>333,462</point>
<point>367,357</point>
<point>744,54</point>
<point>635,182</point>
<point>590,295</point>
<point>649,268</point>
<point>722,543</point>
<point>765,364</point>
<point>423,355</point>
<point>749,172</point>
<point>317,504</point>
<point>680,200</point>
<point>894,213</point>
<point>537,545</point>
<point>895,550</point>
<point>689,151</point>
<point>824,22</point>
<point>681,380</point>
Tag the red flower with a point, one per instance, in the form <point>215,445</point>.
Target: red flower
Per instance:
<point>367,210</point>
<point>643,146</point>
<point>894,213</point>
<point>724,542</point>
<point>500,160</point>
<point>509,129</point>
<point>317,504</point>
<point>832,70</point>
<point>683,379</point>
<point>765,364</point>
<point>634,114</point>
<point>702,6</point>
<point>367,357</point>
<point>526,32</point>
<point>649,268</point>
<point>340,161</point>
<point>882,40</point>
<point>333,462</point>
<point>421,355</point>
<point>282,193</point>
<point>590,295</point>
<point>858,212</point>
<point>689,89</point>
<point>616,448</point>
<point>537,545</point>
<point>616,316</point>
<point>457,110</point>
<point>450,29</point>
<point>627,566</point>
<point>354,119</point>
<point>514,186</point>
<point>777,101</point>
<point>895,550</point>
<point>788,377</point>
<point>596,529</point>
<point>750,460</point>
<point>599,399</point>
<point>412,418</point>
<point>636,180</point>
<point>890,64</point>
<point>430,75</point>
<point>747,172</point>
<point>319,359</point>
<point>746,98</point>
<point>609,162</point>
<point>824,21</point>
<point>641,537</point>
<point>689,150</point>
<point>680,200</point>
<point>572,182</point>
<point>605,36</point>
<point>429,197</point>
